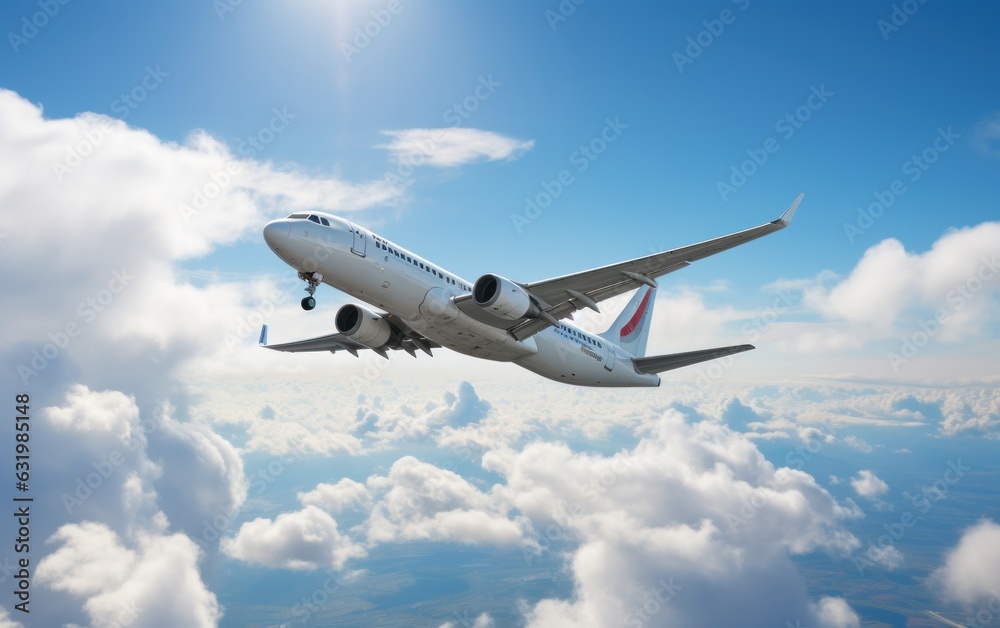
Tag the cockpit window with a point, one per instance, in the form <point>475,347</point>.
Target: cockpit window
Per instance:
<point>302,216</point>
<point>314,218</point>
<point>326,223</point>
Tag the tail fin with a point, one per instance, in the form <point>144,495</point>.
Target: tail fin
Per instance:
<point>630,331</point>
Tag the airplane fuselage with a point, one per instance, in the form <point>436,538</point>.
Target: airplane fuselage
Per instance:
<point>375,270</point>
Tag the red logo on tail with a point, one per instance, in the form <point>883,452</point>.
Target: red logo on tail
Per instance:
<point>634,321</point>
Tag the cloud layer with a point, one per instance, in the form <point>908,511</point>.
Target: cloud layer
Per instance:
<point>450,147</point>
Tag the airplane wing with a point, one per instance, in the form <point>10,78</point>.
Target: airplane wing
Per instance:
<point>559,297</point>
<point>660,363</point>
<point>404,338</point>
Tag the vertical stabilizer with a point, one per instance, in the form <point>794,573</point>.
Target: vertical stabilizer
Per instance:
<point>630,331</point>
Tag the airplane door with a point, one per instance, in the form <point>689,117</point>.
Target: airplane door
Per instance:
<point>358,248</point>
<point>609,363</point>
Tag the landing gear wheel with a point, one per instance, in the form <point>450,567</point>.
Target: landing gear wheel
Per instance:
<point>313,280</point>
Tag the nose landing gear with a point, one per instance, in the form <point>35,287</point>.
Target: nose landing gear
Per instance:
<point>313,279</point>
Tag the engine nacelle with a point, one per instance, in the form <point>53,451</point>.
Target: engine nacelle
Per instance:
<point>363,325</point>
<point>503,298</point>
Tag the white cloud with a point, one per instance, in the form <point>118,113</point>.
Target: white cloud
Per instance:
<point>460,408</point>
<point>868,485</point>
<point>971,571</point>
<point>448,147</point>
<point>891,290</point>
<point>86,411</point>
<point>986,135</point>
<point>305,539</point>
<point>110,232</point>
<point>203,475</point>
<point>125,586</point>
<point>483,620</point>
<point>6,621</point>
<point>696,507</point>
<point>420,501</point>
<point>345,494</point>
<point>858,443</point>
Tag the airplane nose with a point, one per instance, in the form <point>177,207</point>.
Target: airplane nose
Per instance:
<point>276,232</point>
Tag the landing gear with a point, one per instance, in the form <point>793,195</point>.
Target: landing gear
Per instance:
<point>313,279</point>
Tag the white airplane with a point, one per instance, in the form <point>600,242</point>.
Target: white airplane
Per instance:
<point>424,306</point>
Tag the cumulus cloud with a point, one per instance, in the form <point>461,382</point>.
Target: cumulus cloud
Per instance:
<point>456,409</point>
<point>891,288</point>
<point>152,181</point>
<point>305,539</point>
<point>693,512</point>
<point>123,585</point>
<point>6,621</point>
<point>420,501</point>
<point>112,229</point>
<point>449,147</point>
<point>123,486</point>
<point>203,475</point>
<point>107,412</point>
<point>971,571</point>
<point>868,485</point>
<point>345,494</point>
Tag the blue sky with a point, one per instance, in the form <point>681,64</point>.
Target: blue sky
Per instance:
<point>875,371</point>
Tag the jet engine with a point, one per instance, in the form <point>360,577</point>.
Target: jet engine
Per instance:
<point>503,298</point>
<point>363,325</point>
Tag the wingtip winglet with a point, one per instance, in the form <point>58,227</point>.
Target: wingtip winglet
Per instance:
<point>262,341</point>
<point>786,218</point>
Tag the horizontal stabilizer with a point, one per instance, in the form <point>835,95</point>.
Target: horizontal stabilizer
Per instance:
<point>660,363</point>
